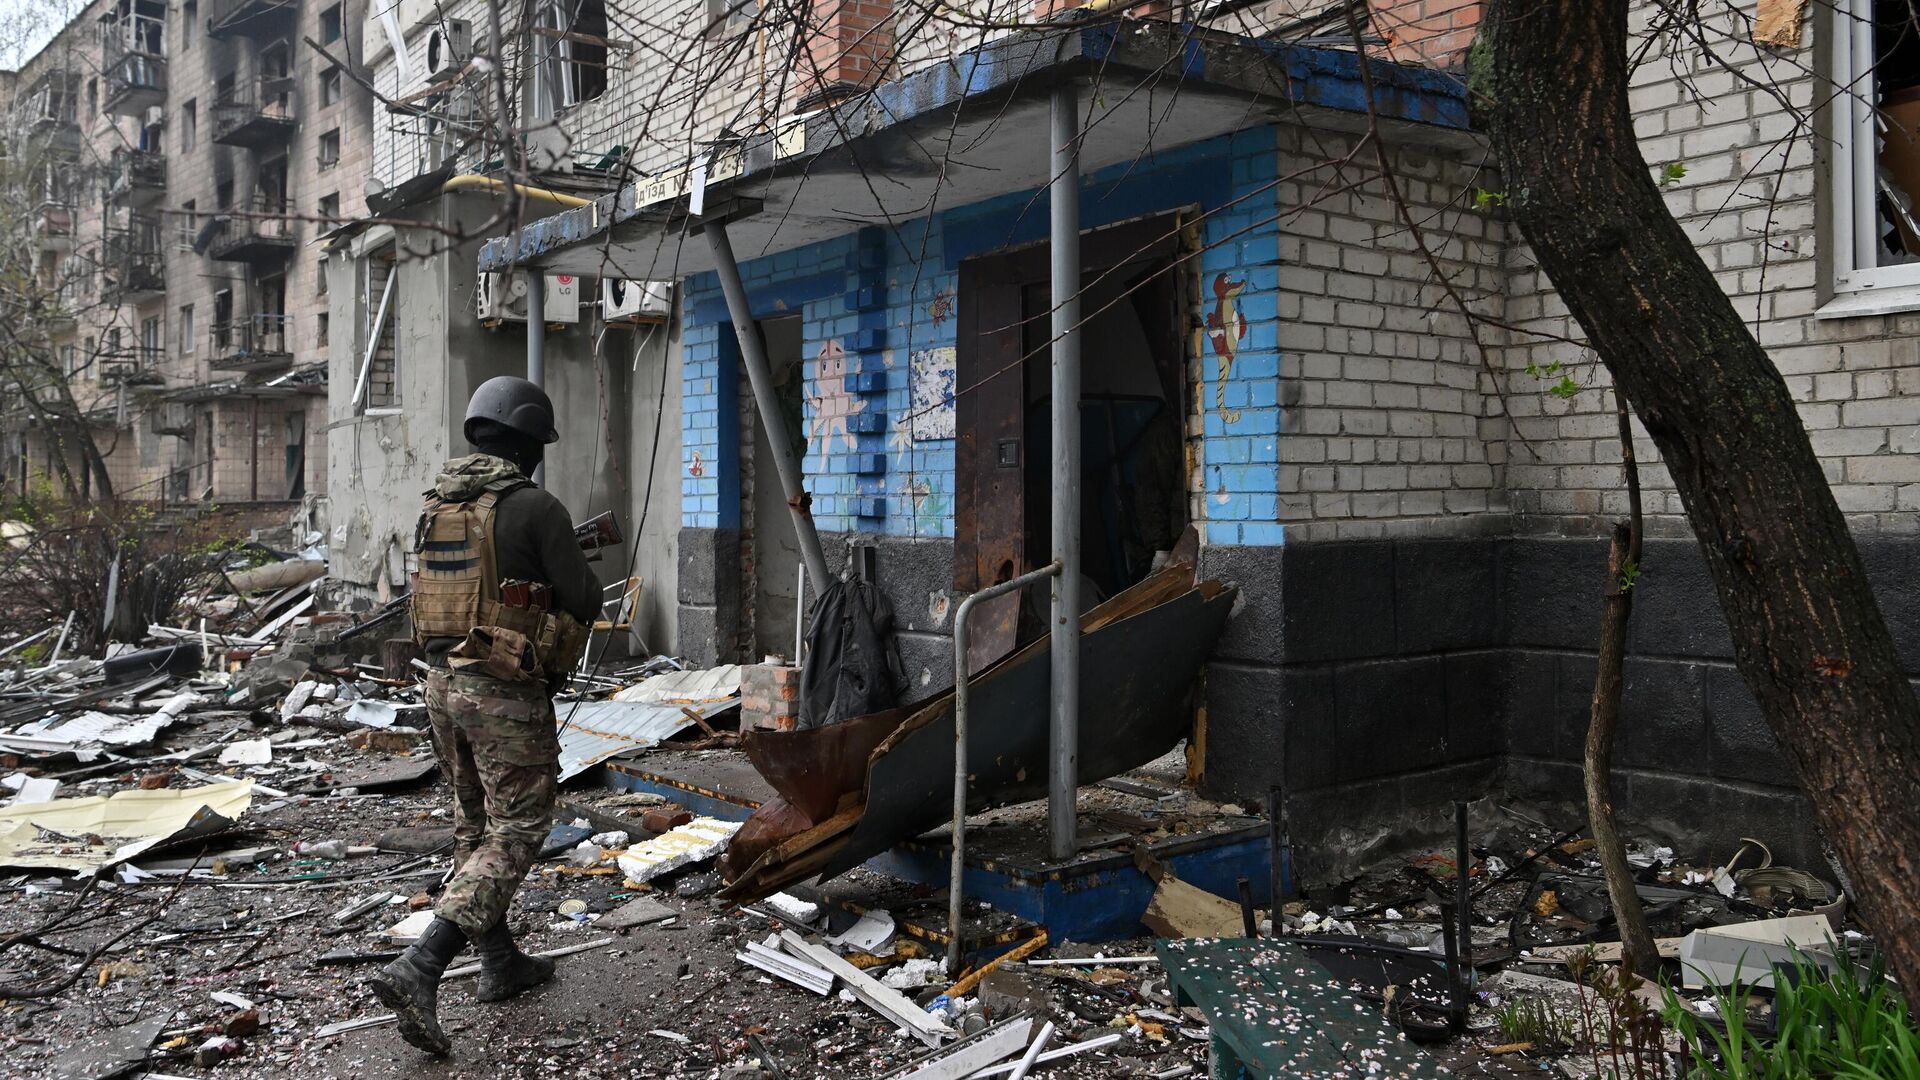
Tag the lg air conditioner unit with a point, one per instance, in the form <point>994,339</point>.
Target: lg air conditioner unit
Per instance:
<point>624,301</point>
<point>503,298</point>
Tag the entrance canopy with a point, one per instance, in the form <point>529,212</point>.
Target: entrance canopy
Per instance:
<point>972,128</point>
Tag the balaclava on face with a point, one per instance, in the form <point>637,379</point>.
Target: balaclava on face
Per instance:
<point>525,453</point>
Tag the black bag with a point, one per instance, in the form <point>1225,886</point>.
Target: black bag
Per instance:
<point>853,667</point>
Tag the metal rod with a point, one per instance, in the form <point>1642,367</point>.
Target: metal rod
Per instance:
<point>1457,986</point>
<point>537,343</point>
<point>373,337</point>
<point>754,355</point>
<point>962,696</point>
<point>1033,1052</point>
<point>1063,200</point>
<point>1248,922</point>
<point>1462,897</point>
<point>799,612</point>
<point>1277,853</point>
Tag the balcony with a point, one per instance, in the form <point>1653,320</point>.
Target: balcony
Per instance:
<point>135,366</point>
<point>251,343</point>
<point>135,82</point>
<point>258,233</point>
<point>50,112</point>
<point>52,226</point>
<point>133,56</point>
<point>262,20</point>
<point>135,270</point>
<point>257,116</point>
<point>136,178</point>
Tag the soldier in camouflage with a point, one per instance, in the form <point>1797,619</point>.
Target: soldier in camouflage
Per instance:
<point>495,666</point>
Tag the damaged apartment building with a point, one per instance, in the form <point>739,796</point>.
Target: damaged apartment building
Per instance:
<point>1414,522</point>
<point>173,163</point>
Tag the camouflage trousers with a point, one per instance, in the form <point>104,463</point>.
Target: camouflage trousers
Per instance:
<point>497,743</point>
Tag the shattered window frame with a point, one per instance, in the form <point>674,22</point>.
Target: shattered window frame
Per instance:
<point>1857,175</point>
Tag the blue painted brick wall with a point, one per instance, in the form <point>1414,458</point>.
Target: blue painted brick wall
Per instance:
<point>871,300</point>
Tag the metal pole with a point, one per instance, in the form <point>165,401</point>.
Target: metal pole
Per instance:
<point>1063,199</point>
<point>962,696</point>
<point>753,354</point>
<point>537,342</point>
<point>1462,897</point>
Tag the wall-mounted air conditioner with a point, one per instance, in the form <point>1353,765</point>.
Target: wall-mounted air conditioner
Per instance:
<point>449,46</point>
<point>635,301</point>
<point>171,418</point>
<point>503,298</point>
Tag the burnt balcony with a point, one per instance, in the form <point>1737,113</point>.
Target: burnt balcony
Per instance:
<point>254,116</point>
<point>262,20</point>
<point>52,225</point>
<point>258,232</point>
<point>136,178</point>
<point>138,365</point>
<point>251,343</point>
<point>135,270</point>
<point>136,82</point>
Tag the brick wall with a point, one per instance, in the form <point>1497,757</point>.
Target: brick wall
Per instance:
<point>1749,198</point>
<point>875,303</point>
<point>1387,429</point>
<point>1432,32</point>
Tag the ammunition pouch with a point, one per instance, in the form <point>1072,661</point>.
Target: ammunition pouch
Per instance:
<point>517,644</point>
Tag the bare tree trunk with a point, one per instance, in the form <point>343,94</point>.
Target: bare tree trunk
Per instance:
<point>1638,955</point>
<point>1551,82</point>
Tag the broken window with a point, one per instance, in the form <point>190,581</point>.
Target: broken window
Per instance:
<point>186,329</point>
<point>378,384</point>
<point>329,155</point>
<point>1876,231</point>
<point>189,126</point>
<point>570,37</point>
<point>330,84</point>
<point>330,25</point>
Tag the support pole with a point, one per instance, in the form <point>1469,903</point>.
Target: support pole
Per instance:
<point>537,342</point>
<point>962,702</point>
<point>753,354</point>
<point>1063,200</point>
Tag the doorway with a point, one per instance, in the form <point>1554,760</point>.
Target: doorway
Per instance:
<point>773,552</point>
<point>1132,441</point>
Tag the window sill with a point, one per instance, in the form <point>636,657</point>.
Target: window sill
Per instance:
<point>1891,300</point>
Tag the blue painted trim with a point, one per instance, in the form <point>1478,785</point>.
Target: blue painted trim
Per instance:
<point>1116,193</point>
<point>726,463</point>
<point>703,805</point>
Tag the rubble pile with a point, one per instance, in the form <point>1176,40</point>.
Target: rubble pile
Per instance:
<point>211,836</point>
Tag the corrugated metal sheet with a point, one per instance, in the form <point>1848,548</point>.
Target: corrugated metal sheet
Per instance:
<point>593,731</point>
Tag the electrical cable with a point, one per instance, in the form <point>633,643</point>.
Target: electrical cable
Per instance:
<point>646,504</point>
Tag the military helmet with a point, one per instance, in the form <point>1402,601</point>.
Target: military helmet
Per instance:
<point>514,403</point>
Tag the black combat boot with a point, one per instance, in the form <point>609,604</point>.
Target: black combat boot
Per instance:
<point>410,985</point>
<point>504,970</point>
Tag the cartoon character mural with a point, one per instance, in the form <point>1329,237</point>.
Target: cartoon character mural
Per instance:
<point>832,405</point>
<point>1226,328</point>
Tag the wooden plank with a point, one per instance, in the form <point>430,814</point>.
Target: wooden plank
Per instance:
<point>885,1000</point>
<point>1278,1013</point>
<point>1180,910</point>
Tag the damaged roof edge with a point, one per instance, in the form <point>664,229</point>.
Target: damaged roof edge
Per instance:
<point>1295,75</point>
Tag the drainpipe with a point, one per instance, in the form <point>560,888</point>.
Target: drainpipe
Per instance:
<point>1063,202</point>
<point>962,701</point>
<point>753,354</point>
<point>537,343</point>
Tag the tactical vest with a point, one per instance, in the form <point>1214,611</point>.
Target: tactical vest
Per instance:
<point>456,594</point>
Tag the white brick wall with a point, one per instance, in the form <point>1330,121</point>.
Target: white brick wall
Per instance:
<point>1751,207</point>
<point>1386,431</point>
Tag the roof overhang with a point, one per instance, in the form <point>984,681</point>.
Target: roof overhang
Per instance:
<point>973,128</point>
